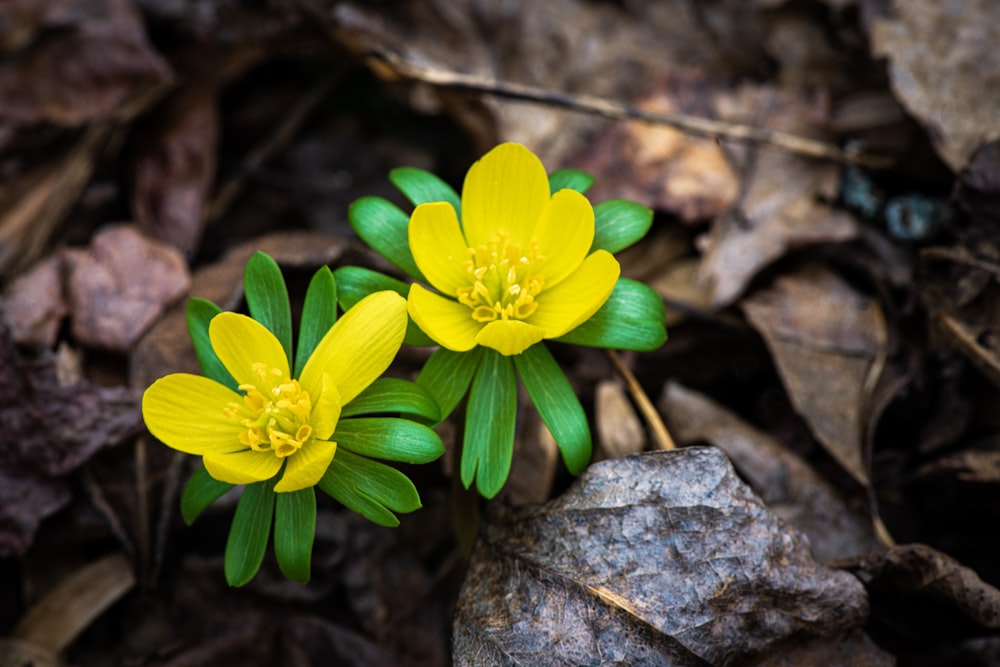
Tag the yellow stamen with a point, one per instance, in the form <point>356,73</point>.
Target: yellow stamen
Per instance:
<point>279,410</point>
<point>503,280</point>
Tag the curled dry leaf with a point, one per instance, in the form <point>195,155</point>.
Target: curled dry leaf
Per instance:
<point>781,205</point>
<point>94,57</point>
<point>920,588</point>
<point>660,558</point>
<point>945,69</point>
<point>826,338</point>
<point>121,285</point>
<point>789,486</point>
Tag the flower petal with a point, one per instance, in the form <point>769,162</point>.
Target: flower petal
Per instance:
<point>438,246</point>
<point>307,466</point>
<point>240,342</point>
<point>505,190</point>
<point>185,412</point>
<point>564,232</point>
<point>571,303</point>
<point>448,322</point>
<point>510,336</point>
<point>244,467</point>
<point>326,409</point>
<point>359,347</point>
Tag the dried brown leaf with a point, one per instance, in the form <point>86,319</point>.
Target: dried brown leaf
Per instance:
<point>95,57</point>
<point>928,581</point>
<point>853,649</point>
<point>789,486</point>
<point>781,207</point>
<point>945,69</point>
<point>619,431</point>
<point>34,304</point>
<point>26,498</point>
<point>825,337</point>
<point>121,285</point>
<point>661,558</point>
<point>175,167</point>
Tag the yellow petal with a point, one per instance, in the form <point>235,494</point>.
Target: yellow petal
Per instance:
<point>244,467</point>
<point>185,412</point>
<point>505,190</point>
<point>509,336</point>
<point>438,246</point>
<point>240,342</point>
<point>306,466</point>
<point>447,322</point>
<point>565,233</point>
<point>359,347</point>
<point>326,409</point>
<point>571,303</point>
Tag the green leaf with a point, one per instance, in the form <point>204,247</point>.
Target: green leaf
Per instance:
<point>388,438</point>
<point>447,376</point>
<point>557,404</point>
<point>294,532</point>
<point>490,418</point>
<point>319,313</point>
<point>267,299</point>
<point>383,225</point>
<point>355,283</point>
<point>421,187</point>
<point>199,314</point>
<point>631,319</point>
<point>391,395</point>
<point>369,488</point>
<point>619,223</point>
<point>249,532</point>
<point>573,179</point>
<point>201,491</point>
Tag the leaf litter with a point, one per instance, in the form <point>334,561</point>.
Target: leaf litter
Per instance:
<point>832,329</point>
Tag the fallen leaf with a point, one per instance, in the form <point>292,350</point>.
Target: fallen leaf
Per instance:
<point>120,286</point>
<point>918,589</point>
<point>660,167</point>
<point>175,167</point>
<point>660,558</point>
<point>26,498</point>
<point>34,305</point>
<point>978,187</point>
<point>825,338</point>
<point>93,61</point>
<point>852,649</point>
<point>945,69</point>
<point>789,486</point>
<point>619,431</point>
<point>781,206</point>
<point>533,467</point>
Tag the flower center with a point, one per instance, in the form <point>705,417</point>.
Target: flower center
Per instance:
<point>280,415</point>
<point>505,280</point>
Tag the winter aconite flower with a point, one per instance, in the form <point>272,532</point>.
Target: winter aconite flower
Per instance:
<point>280,428</point>
<point>520,259</point>
<point>274,424</point>
<point>517,269</point>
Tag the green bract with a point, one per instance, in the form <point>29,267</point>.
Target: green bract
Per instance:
<point>282,423</point>
<point>519,258</point>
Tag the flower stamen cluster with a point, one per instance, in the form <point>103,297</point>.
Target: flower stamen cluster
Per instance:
<point>279,416</point>
<point>505,280</point>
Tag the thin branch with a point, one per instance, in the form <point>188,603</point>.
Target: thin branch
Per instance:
<point>703,127</point>
<point>660,433</point>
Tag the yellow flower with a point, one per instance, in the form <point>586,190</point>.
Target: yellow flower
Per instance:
<point>276,422</point>
<point>518,269</point>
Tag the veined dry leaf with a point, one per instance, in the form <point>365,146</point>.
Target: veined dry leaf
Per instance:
<point>121,285</point>
<point>781,205</point>
<point>789,486</point>
<point>945,69</point>
<point>660,558</point>
<point>825,338</point>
